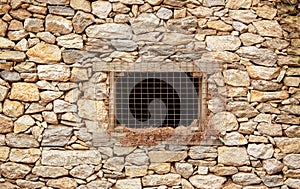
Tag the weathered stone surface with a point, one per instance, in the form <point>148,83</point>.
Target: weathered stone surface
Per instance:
<point>109,31</point>
<point>272,180</point>
<point>293,183</point>
<point>222,56</point>
<point>219,25</point>
<point>114,164</point>
<point>241,109</point>
<point>13,108</point>
<point>12,55</point>
<point>4,152</point>
<point>261,151</point>
<point>14,170</point>
<point>101,8</point>
<point>237,4</point>
<point>157,180</point>
<point>47,37</point>
<point>288,119</point>
<point>270,129</point>
<point>25,92</point>
<point>67,157</point>
<point>58,24</point>
<point>247,127</point>
<point>245,16</point>
<point>291,81</point>
<point>221,43</point>
<point>82,171</point>
<point>293,71</point>
<point>23,123</point>
<point>35,108</point>
<point>258,96</point>
<point>48,96</point>
<point>288,145</point>
<point>64,182</point>
<point>44,53</point>
<point>264,57</point>
<point>182,25</point>
<point>129,184</point>
<point>184,169</point>
<point>6,43</point>
<point>249,39</point>
<point>21,141</point>
<point>266,12</point>
<point>54,72</point>
<point>81,20</point>
<point>164,13</point>
<point>264,85</point>
<point>236,78</point>
<point>56,136</point>
<point>92,110</point>
<point>29,184</point>
<point>236,156</point>
<point>124,45</point>
<point>6,124</point>
<point>234,139</point>
<point>158,50</point>
<point>10,76</point>
<point>272,166</point>
<point>132,2</point>
<point>202,152</point>
<point>61,106</point>
<point>177,38</point>
<point>276,43</point>
<point>61,10</point>
<point>292,161</point>
<point>137,159</point>
<point>3,92</point>
<point>268,28</point>
<point>207,181</point>
<point>136,171</point>
<point>224,121</point>
<point>33,25</point>
<point>70,41</point>
<point>50,172</point>
<point>246,179</point>
<point>146,22</point>
<point>30,155</point>
<point>293,131</point>
<point>166,156</point>
<point>55,2</point>
<point>84,5</point>
<point>223,170</point>
<point>201,12</point>
<point>3,27</point>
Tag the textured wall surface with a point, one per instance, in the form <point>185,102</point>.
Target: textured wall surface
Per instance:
<point>55,87</point>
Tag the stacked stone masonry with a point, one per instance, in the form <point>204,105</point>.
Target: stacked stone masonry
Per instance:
<point>52,56</point>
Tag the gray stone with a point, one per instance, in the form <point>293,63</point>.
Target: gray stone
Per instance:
<point>58,24</point>
<point>292,182</point>
<point>246,179</point>
<point>166,156</point>
<point>272,166</point>
<point>56,136</point>
<point>129,184</point>
<point>157,180</point>
<point>82,171</point>
<point>264,57</point>
<point>184,169</point>
<point>137,159</point>
<point>146,22</point>
<point>270,129</point>
<point>109,31</point>
<point>207,181</point>
<point>261,151</point>
<point>164,13</point>
<point>268,28</point>
<point>10,76</point>
<point>61,106</point>
<point>292,161</point>
<point>30,155</point>
<point>92,110</point>
<point>61,10</point>
<point>14,170</point>
<point>221,43</point>
<point>202,152</point>
<point>236,156</point>
<point>157,50</point>
<point>68,157</point>
<point>212,3</point>
<point>49,171</point>
<point>33,25</point>
<point>224,121</point>
<point>21,141</point>
<point>124,45</point>
<point>81,20</point>
<point>272,180</point>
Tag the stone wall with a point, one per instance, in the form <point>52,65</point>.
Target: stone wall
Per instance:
<point>55,58</point>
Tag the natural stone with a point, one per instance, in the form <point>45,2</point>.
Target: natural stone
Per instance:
<point>20,14</point>
<point>81,20</point>
<point>247,127</point>
<point>13,108</point>
<point>12,55</point>
<point>223,170</point>
<point>132,2</point>
<point>61,106</point>
<point>49,171</point>
<point>201,12</point>
<point>154,2</point>
<point>30,155</point>
<point>219,25</point>
<point>259,72</point>
<point>44,53</point>
<point>184,169</point>
<point>54,72</point>
<point>293,131</point>
<point>166,156</point>
<point>288,145</point>
<point>47,37</point>
<point>3,27</point>
<point>234,139</point>
<point>70,41</point>
<point>21,141</point>
<point>146,22</point>
<point>272,180</point>
<point>101,8</point>
<point>160,168</point>
<point>249,39</point>
<point>293,71</point>
<point>35,108</point>
<point>84,5</point>
<point>68,157</point>
<point>276,43</point>
<point>109,31</point>
<point>264,57</point>
<point>241,109</point>
<point>10,76</point>
<point>236,4</point>
<point>114,164</point>
<point>157,180</point>
<point>221,43</point>
<point>245,16</point>
<point>261,151</point>
<point>4,152</point>
<point>33,25</point>
<point>258,96</point>
<point>6,124</point>
<point>266,12</point>
<point>58,24</point>
<point>56,136</point>
<point>270,129</point>
<point>164,13</point>
<point>182,25</point>
<point>13,170</point>
<point>246,179</point>
<point>6,43</point>
<point>49,96</point>
<point>292,161</point>
<point>92,110</point>
<point>222,56</point>
<point>292,182</point>
<point>291,81</point>
<point>272,166</point>
<point>124,45</point>
<point>129,184</point>
<point>224,121</point>
<point>29,184</point>
<point>82,171</point>
<point>207,181</point>
<point>236,156</point>
<point>23,123</point>
<point>236,78</point>
<point>136,171</point>
<point>137,159</point>
<point>64,182</point>
<point>268,28</point>
<point>202,152</point>
<point>24,92</point>
<point>264,85</point>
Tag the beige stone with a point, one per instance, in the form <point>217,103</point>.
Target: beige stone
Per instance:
<point>109,31</point>
<point>221,43</point>
<point>246,179</point>
<point>268,28</point>
<point>33,25</point>
<point>157,180</point>
<point>6,43</point>
<point>47,37</point>
<point>12,55</point>
<point>3,27</point>
<point>17,35</point>
<point>292,161</point>
<point>101,8</point>
<point>44,53</point>
<point>249,39</point>
<point>13,108</point>
<point>166,156</point>
<point>160,168</point>
<point>21,141</point>
<point>202,152</point>
<point>146,22</point>
<point>136,171</point>
<point>79,74</point>
<point>50,117</point>
<point>154,2</point>
<point>201,12</point>
<point>48,96</point>
<point>54,72</point>
<point>81,20</point>
<point>13,170</point>
<point>272,166</point>
<point>20,14</point>
<point>288,145</point>
<point>234,139</point>
<point>70,41</point>
<point>236,78</point>
<point>29,184</point>
<point>237,4</point>
<point>222,56</point>
<point>139,158</point>
<point>261,151</point>
<point>266,12</point>
<point>270,129</point>
<point>64,183</point>
<point>23,123</point>
<point>258,96</point>
<point>245,16</point>
<point>30,155</point>
<point>223,170</point>
<point>81,5</point>
<point>224,121</point>
<point>4,152</point>
<point>184,169</point>
<point>58,24</point>
<point>260,72</point>
<point>219,25</point>
<point>82,171</point>
<point>50,172</point>
<point>25,92</point>
<point>207,181</point>
<point>129,184</point>
<point>236,156</point>
<point>6,124</point>
<point>92,110</point>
